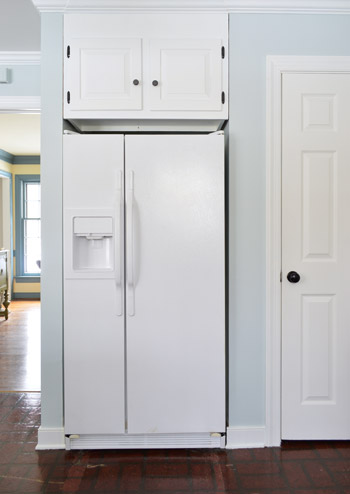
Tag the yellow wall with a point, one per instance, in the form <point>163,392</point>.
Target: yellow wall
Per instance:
<point>20,170</point>
<point>5,167</point>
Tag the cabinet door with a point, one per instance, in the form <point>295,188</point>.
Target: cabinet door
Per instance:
<point>175,283</point>
<point>188,74</point>
<point>100,74</point>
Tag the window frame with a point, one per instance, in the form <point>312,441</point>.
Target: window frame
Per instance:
<point>20,181</point>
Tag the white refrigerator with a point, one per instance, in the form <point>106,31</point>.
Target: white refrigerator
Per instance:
<point>144,288</point>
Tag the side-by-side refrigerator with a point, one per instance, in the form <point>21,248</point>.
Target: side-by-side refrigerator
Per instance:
<point>144,289</point>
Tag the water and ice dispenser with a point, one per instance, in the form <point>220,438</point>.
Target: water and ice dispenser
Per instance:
<point>92,243</point>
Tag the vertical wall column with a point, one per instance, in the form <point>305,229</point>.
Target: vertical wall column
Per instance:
<point>51,433</point>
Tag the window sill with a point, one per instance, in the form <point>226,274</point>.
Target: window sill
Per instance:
<point>27,279</point>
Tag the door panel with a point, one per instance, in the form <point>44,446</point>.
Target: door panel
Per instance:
<point>317,336</point>
<point>319,197</point>
<point>93,288</point>
<point>100,74</point>
<point>175,283</point>
<point>188,72</point>
<point>316,244</point>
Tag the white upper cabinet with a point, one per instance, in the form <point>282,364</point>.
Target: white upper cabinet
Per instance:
<point>146,71</point>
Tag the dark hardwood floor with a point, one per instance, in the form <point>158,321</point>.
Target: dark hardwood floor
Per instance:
<point>295,468</point>
<point>20,347</point>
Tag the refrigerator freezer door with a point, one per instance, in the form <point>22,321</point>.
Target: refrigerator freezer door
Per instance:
<point>176,282</point>
<point>93,284</point>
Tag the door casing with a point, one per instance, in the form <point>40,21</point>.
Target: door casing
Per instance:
<point>275,67</point>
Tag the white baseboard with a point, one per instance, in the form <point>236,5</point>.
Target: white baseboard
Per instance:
<point>51,438</point>
<point>245,437</point>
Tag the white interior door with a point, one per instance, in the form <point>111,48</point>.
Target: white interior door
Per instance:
<point>316,245</point>
<point>103,74</point>
<point>186,74</point>
<point>175,283</point>
<point>93,284</point>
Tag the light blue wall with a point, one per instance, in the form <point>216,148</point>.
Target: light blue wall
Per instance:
<point>24,81</point>
<point>20,26</point>
<point>51,207</point>
<point>252,38</point>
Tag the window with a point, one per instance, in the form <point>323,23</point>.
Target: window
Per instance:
<point>28,226</point>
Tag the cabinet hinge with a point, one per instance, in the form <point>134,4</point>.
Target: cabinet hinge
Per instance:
<point>68,97</point>
<point>223,97</point>
<point>68,51</point>
<point>281,277</point>
<point>222,52</point>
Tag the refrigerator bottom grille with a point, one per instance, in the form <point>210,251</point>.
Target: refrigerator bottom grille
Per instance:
<point>145,441</point>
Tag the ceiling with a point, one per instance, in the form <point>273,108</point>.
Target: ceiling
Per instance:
<point>20,133</point>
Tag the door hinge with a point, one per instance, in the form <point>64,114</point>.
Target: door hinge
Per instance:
<point>222,52</point>
<point>68,97</point>
<point>223,97</point>
<point>68,51</point>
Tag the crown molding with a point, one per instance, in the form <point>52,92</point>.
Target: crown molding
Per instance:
<point>229,6</point>
<point>19,57</point>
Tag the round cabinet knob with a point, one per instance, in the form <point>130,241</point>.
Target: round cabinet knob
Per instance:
<point>136,82</point>
<point>155,83</point>
<point>293,277</point>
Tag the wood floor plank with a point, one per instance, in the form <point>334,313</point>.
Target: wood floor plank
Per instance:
<point>20,347</point>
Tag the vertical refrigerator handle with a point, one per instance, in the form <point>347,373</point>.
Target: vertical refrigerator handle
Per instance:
<point>118,242</point>
<point>130,245</point>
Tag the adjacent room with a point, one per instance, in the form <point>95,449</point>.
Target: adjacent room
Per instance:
<point>20,252</point>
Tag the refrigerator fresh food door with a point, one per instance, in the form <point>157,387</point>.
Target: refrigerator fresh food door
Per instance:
<point>93,196</point>
<point>175,283</point>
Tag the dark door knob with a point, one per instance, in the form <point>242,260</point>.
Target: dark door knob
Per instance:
<point>155,83</point>
<point>293,277</point>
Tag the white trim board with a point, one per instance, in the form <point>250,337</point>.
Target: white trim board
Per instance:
<point>51,438</point>
<point>244,6</point>
<point>20,57</point>
<point>245,437</point>
<point>276,66</point>
<point>20,104</point>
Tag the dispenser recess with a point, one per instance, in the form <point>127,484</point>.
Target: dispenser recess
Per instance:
<point>92,243</point>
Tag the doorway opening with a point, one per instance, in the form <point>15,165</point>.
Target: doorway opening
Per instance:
<point>20,238</point>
